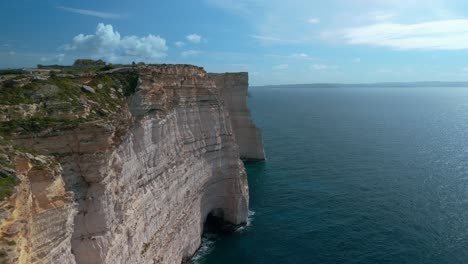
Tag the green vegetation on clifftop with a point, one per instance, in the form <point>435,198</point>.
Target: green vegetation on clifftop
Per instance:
<point>54,98</point>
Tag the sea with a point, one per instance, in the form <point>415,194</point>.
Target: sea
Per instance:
<point>354,175</point>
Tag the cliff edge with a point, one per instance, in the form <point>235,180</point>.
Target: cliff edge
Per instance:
<point>120,165</point>
<point>234,87</point>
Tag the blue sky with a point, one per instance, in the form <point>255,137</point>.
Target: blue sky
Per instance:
<point>278,42</point>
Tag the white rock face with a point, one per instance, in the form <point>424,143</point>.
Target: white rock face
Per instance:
<point>234,88</point>
<point>143,185</point>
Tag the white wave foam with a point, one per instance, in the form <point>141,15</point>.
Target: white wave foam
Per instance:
<point>207,245</point>
<point>250,218</point>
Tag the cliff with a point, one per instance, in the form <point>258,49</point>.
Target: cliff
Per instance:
<point>234,88</point>
<point>120,165</point>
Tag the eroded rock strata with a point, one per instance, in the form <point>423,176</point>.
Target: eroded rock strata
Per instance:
<point>126,172</point>
<point>234,87</point>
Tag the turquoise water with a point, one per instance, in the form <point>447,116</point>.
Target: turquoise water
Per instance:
<point>355,175</point>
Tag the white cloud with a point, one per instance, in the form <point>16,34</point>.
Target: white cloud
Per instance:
<point>380,16</point>
<point>190,53</point>
<point>281,67</point>
<point>194,38</point>
<point>313,20</point>
<point>357,60</point>
<point>11,53</point>
<point>90,12</point>
<point>464,69</point>
<point>271,21</point>
<point>108,44</point>
<point>433,35</point>
<point>179,44</point>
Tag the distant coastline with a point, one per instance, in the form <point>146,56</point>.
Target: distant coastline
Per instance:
<point>375,85</point>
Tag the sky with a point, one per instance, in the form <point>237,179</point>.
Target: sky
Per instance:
<point>276,41</point>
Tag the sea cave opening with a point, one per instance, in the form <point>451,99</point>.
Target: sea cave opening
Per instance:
<point>215,223</point>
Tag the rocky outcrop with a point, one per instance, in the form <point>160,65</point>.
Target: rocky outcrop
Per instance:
<point>234,87</point>
<point>137,185</point>
<point>37,222</point>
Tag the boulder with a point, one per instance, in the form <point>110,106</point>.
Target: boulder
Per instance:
<point>88,89</point>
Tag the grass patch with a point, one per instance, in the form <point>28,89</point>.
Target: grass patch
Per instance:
<point>36,125</point>
<point>7,186</point>
<point>11,71</point>
<point>11,95</point>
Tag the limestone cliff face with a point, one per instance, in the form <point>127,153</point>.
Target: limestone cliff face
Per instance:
<point>234,88</point>
<point>136,187</point>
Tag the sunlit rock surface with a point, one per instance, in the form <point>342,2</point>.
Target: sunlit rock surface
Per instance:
<point>234,87</point>
<point>137,186</point>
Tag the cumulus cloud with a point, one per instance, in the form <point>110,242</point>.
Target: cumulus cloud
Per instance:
<point>281,67</point>
<point>433,35</point>
<point>194,38</point>
<point>108,44</point>
<point>90,12</point>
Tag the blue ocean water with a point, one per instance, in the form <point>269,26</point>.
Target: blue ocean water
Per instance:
<point>355,175</point>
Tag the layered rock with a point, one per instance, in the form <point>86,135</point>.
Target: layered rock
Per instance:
<point>37,222</point>
<point>138,186</point>
<point>234,87</point>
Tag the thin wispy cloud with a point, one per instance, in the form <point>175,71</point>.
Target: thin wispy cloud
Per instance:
<point>433,35</point>
<point>294,56</point>
<point>299,55</point>
<point>281,67</point>
<point>322,67</point>
<point>179,44</point>
<point>272,39</point>
<point>190,53</point>
<point>381,16</point>
<point>313,20</point>
<point>235,6</point>
<point>55,58</point>
<point>93,13</point>
<point>267,38</point>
